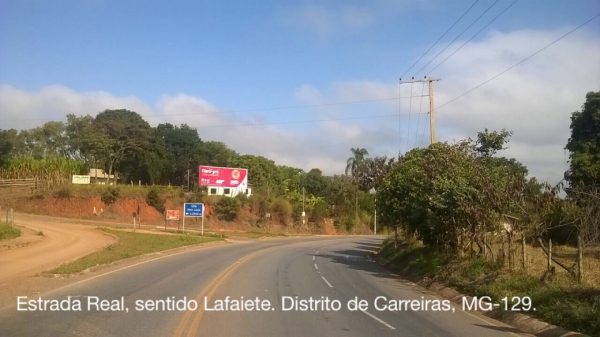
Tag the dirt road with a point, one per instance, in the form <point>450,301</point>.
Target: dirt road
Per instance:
<point>62,241</point>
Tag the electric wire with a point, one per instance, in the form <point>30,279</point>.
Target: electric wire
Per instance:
<point>473,36</point>
<point>457,36</point>
<point>523,60</point>
<point>440,38</point>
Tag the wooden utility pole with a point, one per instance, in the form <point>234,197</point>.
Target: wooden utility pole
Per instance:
<point>432,127</point>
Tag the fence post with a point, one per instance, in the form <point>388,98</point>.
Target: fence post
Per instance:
<point>524,247</point>
<point>485,246</point>
<point>579,258</point>
<point>549,254</point>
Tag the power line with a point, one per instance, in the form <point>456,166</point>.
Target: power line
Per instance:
<point>307,121</point>
<point>473,36</point>
<point>441,37</point>
<point>458,36</point>
<point>231,112</point>
<point>525,59</point>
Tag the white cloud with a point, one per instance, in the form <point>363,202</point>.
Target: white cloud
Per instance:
<point>24,109</point>
<point>534,100</point>
<point>324,21</point>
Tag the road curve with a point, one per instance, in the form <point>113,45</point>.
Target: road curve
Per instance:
<point>62,242</point>
<point>336,268</point>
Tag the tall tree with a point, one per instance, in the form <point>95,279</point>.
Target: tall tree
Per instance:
<point>490,142</point>
<point>183,146</point>
<point>124,132</point>
<point>9,140</point>
<point>358,156</point>
<point>372,171</point>
<point>216,154</point>
<point>315,183</point>
<point>584,144</point>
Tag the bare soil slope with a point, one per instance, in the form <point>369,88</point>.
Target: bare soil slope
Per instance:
<point>61,242</point>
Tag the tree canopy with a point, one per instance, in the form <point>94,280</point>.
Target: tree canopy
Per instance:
<point>584,143</point>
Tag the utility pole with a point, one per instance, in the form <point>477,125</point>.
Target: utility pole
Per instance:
<point>188,180</point>
<point>432,127</point>
<point>303,213</point>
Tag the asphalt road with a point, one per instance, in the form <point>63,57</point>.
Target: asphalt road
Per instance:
<point>277,271</point>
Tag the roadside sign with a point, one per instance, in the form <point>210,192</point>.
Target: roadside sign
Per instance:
<point>223,176</point>
<point>173,214</point>
<point>193,210</point>
<point>80,179</point>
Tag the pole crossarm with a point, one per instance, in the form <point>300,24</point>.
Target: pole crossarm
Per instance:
<point>429,81</point>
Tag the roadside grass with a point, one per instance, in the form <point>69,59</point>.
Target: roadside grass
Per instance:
<point>131,244</point>
<point>249,234</point>
<point>562,302</point>
<point>8,232</point>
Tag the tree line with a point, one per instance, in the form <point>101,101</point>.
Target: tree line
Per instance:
<point>448,195</point>
<point>122,143</point>
<point>453,196</point>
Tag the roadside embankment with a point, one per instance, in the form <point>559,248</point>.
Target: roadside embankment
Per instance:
<point>565,304</point>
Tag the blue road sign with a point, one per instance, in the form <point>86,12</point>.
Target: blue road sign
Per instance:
<point>193,210</point>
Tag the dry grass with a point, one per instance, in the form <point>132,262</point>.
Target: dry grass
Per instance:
<point>561,301</point>
<point>537,262</point>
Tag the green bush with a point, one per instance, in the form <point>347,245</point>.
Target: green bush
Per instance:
<point>63,193</point>
<point>8,232</point>
<point>227,208</point>
<point>110,195</point>
<point>153,199</point>
<point>282,209</point>
<point>319,212</point>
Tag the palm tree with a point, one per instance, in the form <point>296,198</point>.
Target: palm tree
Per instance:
<point>358,156</point>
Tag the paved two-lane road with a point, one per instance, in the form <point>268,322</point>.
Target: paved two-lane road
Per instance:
<point>335,268</point>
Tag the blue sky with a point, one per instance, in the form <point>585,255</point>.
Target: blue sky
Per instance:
<point>228,63</point>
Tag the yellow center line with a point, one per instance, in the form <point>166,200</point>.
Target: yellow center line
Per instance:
<point>190,321</point>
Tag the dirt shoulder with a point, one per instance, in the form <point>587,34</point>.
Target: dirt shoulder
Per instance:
<point>50,243</point>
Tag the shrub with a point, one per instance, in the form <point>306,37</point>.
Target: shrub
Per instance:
<point>63,193</point>
<point>227,208</point>
<point>153,199</point>
<point>282,209</point>
<point>110,195</point>
<point>318,213</point>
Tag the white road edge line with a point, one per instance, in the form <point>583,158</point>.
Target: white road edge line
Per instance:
<point>378,319</point>
<point>329,284</point>
<point>313,257</point>
<point>316,267</point>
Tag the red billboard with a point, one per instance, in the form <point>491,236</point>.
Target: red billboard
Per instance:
<point>223,176</point>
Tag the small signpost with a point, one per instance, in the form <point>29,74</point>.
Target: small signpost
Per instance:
<point>193,210</point>
<point>172,215</point>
